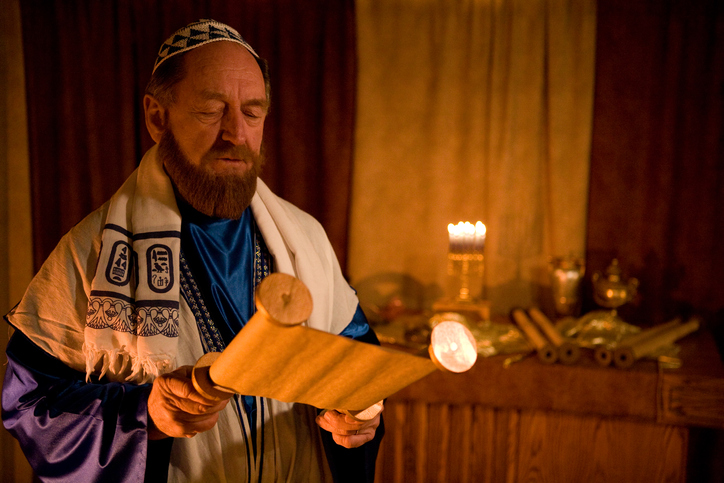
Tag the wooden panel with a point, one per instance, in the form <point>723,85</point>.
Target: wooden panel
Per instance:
<point>437,443</point>
<point>561,447</point>
<point>472,443</point>
<point>510,422</point>
<point>694,400</point>
<point>694,394</point>
<point>483,441</point>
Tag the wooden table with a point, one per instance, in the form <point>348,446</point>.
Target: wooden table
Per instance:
<point>554,423</point>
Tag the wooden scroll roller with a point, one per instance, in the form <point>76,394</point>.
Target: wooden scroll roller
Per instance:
<point>275,356</point>
<point>603,354</point>
<point>546,351</point>
<point>650,340</point>
<point>568,352</point>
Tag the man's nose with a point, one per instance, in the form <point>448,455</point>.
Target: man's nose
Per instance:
<point>233,127</point>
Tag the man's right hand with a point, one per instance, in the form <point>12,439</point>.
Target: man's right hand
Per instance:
<point>177,410</point>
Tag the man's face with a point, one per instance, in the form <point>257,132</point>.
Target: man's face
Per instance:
<point>214,129</point>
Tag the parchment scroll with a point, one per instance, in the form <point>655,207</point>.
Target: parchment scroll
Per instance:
<point>275,356</point>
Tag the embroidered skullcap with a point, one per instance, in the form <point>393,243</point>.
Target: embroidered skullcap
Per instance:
<point>197,34</point>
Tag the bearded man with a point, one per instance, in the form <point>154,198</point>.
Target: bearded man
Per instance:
<point>97,385</point>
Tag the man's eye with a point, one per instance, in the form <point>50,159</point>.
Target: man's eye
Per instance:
<point>209,114</point>
<point>253,114</point>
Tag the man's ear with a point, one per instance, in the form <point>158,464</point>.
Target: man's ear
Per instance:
<point>156,117</point>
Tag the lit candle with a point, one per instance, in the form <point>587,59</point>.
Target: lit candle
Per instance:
<point>469,237</point>
<point>451,237</point>
<point>480,231</point>
<point>461,236</point>
<point>466,237</point>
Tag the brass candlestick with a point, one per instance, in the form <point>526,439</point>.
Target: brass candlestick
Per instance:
<point>465,268</point>
<point>465,258</point>
<point>468,270</point>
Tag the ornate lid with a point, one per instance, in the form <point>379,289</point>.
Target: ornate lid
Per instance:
<point>610,291</point>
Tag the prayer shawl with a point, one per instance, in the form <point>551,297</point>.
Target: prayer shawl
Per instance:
<point>83,277</point>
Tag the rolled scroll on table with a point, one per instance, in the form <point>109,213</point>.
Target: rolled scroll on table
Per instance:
<point>646,342</point>
<point>568,352</point>
<point>547,353</point>
<point>275,356</point>
<point>603,353</point>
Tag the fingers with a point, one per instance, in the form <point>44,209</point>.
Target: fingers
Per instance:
<point>347,431</point>
<point>181,395</point>
<point>179,384</point>
<point>176,409</point>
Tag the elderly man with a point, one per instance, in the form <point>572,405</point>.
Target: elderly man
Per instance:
<point>97,385</point>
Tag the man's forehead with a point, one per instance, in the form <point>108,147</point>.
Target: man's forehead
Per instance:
<point>221,60</point>
<point>221,71</point>
<point>225,54</point>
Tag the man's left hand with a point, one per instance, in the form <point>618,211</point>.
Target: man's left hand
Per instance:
<point>347,431</point>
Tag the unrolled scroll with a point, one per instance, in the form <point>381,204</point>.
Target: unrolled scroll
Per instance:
<point>275,356</point>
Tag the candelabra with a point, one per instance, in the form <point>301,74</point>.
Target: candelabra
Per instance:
<point>466,260</point>
<point>466,270</point>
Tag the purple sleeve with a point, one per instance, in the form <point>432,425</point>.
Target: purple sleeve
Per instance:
<point>71,430</point>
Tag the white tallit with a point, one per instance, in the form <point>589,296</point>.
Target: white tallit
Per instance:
<point>143,215</point>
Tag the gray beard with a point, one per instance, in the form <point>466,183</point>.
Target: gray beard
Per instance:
<point>215,195</point>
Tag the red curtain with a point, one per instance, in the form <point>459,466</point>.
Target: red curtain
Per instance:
<point>657,170</point>
<point>87,64</point>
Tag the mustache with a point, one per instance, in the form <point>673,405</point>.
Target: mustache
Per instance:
<point>225,149</point>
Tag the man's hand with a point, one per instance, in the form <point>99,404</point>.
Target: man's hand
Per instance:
<point>347,431</point>
<point>177,410</point>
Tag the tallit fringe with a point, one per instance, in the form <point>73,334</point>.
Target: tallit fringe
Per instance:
<point>115,364</point>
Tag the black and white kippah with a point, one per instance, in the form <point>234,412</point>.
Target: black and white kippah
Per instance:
<point>197,34</point>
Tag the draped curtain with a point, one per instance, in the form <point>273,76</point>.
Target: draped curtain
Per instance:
<point>16,267</point>
<point>657,169</point>
<point>87,66</point>
<point>470,110</point>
